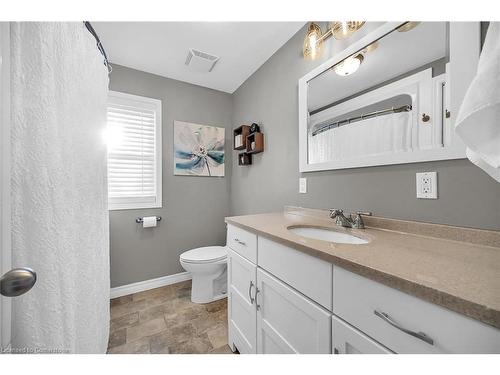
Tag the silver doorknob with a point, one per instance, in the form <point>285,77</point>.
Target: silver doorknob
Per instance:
<point>17,281</point>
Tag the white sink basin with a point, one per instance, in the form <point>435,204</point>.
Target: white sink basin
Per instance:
<point>327,235</point>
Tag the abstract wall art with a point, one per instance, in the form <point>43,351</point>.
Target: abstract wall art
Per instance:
<point>198,149</point>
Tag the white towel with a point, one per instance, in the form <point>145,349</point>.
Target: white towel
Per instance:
<point>478,121</point>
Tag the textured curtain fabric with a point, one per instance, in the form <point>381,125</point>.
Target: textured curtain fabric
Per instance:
<point>59,194</point>
<point>374,136</point>
<point>478,121</point>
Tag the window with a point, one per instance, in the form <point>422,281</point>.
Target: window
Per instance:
<point>134,151</point>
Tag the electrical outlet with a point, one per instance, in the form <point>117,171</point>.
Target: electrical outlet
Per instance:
<point>427,185</point>
<point>303,185</point>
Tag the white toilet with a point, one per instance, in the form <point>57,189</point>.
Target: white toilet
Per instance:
<point>207,266</point>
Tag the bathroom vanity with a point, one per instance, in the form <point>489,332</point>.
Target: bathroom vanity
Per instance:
<point>405,287</point>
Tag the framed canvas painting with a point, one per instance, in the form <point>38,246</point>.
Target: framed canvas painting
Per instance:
<point>198,150</point>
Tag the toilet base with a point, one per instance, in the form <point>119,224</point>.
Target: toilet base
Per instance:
<point>205,301</point>
<point>206,288</point>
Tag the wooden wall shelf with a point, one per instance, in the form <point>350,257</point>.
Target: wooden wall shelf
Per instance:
<point>244,159</point>
<point>255,143</point>
<point>249,143</point>
<point>240,135</point>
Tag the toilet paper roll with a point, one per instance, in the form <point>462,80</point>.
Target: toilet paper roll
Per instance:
<point>149,221</point>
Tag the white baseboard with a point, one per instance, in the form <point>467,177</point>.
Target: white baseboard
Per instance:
<point>149,284</point>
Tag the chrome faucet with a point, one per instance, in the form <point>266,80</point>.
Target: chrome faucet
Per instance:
<point>354,220</point>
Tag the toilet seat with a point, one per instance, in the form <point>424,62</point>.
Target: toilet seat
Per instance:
<point>209,254</point>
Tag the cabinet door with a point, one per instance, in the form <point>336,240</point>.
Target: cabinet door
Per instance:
<point>242,325</point>
<point>348,340</point>
<point>287,322</point>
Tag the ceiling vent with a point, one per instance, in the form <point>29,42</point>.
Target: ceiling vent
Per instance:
<point>200,61</point>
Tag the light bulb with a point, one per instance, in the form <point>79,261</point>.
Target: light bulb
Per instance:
<point>344,27</point>
<point>313,44</point>
<point>349,65</point>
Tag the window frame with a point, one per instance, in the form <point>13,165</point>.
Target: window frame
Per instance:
<point>133,203</point>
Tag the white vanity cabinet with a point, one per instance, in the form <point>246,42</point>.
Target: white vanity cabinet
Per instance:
<point>265,315</point>
<point>288,322</point>
<point>243,242</point>
<point>242,314</point>
<point>281,300</point>
<point>406,324</point>
<point>309,275</point>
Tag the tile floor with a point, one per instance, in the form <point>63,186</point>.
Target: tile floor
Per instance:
<point>164,320</point>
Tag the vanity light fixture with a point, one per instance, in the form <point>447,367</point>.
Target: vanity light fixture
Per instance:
<point>349,65</point>
<point>407,26</point>
<point>371,47</point>
<point>313,42</point>
<point>344,29</point>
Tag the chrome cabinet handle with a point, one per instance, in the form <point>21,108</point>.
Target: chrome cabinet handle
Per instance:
<point>419,335</point>
<point>257,291</point>
<point>250,292</point>
<point>240,242</point>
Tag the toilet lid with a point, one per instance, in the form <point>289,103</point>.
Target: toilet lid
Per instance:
<point>204,254</point>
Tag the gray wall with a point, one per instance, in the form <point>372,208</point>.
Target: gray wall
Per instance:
<point>467,195</point>
<point>193,207</point>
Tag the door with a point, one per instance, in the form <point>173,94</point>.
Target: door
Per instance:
<point>288,322</point>
<point>242,329</point>
<point>348,340</point>
<point>5,305</point>
<point>13,282</point>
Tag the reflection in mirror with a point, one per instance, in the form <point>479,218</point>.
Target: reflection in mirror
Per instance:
<point>386,98</point>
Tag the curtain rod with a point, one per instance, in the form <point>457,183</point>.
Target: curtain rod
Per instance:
<point>99,45</point>
<point>321,129</point>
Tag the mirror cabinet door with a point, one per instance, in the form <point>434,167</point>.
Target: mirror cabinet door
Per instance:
<point>386,102</point>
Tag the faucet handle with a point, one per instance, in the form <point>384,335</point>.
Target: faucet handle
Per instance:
<point>358,220</point>
<point>335,212</point>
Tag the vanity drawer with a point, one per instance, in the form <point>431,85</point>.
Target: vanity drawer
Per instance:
<point>363,302</point>
<point>307,274</point>
<point>243,242</point>
<point>348,340</point>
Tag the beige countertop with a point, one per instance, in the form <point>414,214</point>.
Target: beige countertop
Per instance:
<point>463,276</point>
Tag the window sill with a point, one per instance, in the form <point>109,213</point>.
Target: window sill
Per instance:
<point>132,206</point>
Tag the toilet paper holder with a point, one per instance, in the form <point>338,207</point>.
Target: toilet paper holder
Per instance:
<point>139,219</point>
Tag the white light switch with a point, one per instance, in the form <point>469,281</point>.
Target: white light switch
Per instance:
<point>303,185</point>
<point>427,185</point>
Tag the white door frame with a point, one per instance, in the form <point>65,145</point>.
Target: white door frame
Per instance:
<point>5,213</point>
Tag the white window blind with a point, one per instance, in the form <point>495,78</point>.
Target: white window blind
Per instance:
<point>134,151</point>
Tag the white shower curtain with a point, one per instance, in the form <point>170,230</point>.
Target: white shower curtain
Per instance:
<point>59,195</point>
<point>374,136</point>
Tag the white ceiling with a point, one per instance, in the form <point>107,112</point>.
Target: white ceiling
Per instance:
<point>161,48</point>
